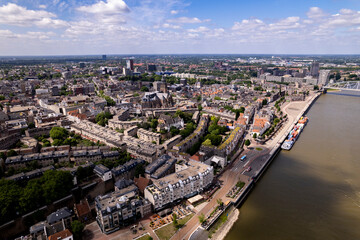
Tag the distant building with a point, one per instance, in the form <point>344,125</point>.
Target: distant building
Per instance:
<point>183,81</point>
<point>130,64</point>
<point>104,57</point>
<point>314,70</point>
<point>151,68</point>
<point>324,77</point>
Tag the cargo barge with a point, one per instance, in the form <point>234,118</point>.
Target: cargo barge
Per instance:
<point>294,133</point>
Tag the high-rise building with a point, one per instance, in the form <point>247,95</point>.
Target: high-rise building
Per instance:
<point>151,68</point>
<point>104,57</point>
<point>130,64</point>
<point>324,77</point>
<point>314,70</point>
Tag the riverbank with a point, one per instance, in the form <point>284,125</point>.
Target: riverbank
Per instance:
<point>226,227</point>
<point>316,184</point>
<point>274,149</point>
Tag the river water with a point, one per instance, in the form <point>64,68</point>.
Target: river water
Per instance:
<point>312,191</point>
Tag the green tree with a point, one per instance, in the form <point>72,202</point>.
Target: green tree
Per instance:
<point>11,153</point>
<point>57,142</point>
<point>153,123</point>
<point>10,193</point>
<point>31,125</point>
<point>110,101</point>
<point>264,102</point>
<point>32,196</point>
<point>144,89</point>
<point>247,142</point>
<point>59,133</point>
<point>201,218</point>
<point>2,97</point>
<point>175,221</point>
<point>56,184</point>
<point>254,135</point>
<point>174,131</point>
<point>77,228</point>
<point>139,170</point>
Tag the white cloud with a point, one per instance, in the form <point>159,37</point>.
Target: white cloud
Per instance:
<point>182,20</point>
<point>316,12</point>
<point>12,14</point>
<point>171,26</point>
<point>285,24</point>
<point>200,29</point>
<point>27,35</point>
<point>174,12</point>
<point>108,7</point>
<point>42,6</point>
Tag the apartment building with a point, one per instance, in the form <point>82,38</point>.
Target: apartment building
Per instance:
<point>183,184</point>
<point>95,132</point>
<point>120,208</point>
<point>149,136</point>
<point>142,149</point>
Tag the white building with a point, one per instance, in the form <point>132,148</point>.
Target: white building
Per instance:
<point>183,184</point>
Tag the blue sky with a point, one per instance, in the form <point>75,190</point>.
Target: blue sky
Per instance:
<point>62,27</point>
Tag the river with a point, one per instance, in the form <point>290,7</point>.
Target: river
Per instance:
<point>312,191</point>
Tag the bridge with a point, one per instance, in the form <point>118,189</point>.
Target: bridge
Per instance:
<point>347,85</point>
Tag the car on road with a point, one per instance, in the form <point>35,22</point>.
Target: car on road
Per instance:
<point>248,169</point>
<point>243,158</point>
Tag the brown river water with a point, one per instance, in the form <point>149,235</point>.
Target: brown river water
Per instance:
<point>313,190</point>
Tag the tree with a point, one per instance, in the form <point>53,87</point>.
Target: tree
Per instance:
<point>59,133</point>
<point>77,228</point>
<point>174,131</point>
<point>56,184</point>
<point>201,218</point>
<point>254,135</point>
<point>200,107</point>
<point>264,102</point>
<point>175,221</point>
<point>10,193</point>
<point>139,170</point>
<point>31,125</point>
<point>11,153</point>
<point>247,142</point>
<point>31,197</point>
<point>153,123</point>
<point>316,87</point>
<point>110,101</point>
<point>57,142</point>
<point>2,97</point>
<point>144,89</point>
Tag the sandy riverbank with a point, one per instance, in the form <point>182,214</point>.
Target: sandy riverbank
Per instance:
<point>225,228</point>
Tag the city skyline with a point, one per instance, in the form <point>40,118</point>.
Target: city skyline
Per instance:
<point>174,27</point>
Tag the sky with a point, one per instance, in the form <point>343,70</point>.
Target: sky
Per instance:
<point>87,27</point>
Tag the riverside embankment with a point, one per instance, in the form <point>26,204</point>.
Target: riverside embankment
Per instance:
<point>312,191</point>
<point>276,143</point>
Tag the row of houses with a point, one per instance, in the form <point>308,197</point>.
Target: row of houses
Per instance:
<point>95,132</point>
<point>195,136</point>
<point>48,158</point>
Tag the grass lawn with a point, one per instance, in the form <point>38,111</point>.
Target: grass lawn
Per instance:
<point>259,149</point>
<point>145,237</point>
<point>165,233</point>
